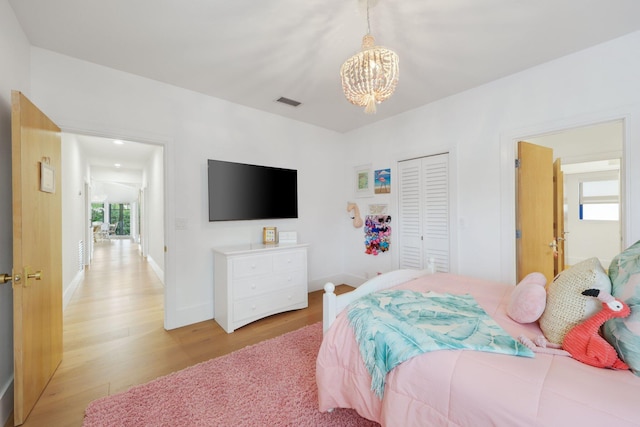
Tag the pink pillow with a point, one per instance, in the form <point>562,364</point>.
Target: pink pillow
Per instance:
<point>529,299</point>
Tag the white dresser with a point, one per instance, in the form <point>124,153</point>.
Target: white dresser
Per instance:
<point>256,281</point>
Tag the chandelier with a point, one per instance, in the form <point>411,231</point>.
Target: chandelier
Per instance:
<point>370,76</point>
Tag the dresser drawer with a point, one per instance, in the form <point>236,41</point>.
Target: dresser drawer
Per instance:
<point>291,260</point>
<point>252,286</point>
<point>264,305</point>
<point>252,266</point>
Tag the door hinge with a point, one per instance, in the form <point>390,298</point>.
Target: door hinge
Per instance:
<point>517,163</point>
<point>518,234</point>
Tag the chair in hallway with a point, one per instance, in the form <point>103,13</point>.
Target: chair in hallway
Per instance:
<point>112,229</point>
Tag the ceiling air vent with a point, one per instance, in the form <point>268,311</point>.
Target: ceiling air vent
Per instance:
<point>288,101</point>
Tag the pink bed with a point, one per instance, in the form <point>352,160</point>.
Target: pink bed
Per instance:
<point>471,388</point>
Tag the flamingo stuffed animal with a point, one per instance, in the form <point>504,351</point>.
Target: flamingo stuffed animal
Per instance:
<point>583,342</point>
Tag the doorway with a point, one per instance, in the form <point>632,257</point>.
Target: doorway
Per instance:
<point>591,158</point>
<point>108,204</point>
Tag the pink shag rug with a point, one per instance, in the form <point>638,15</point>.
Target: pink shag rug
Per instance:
<point>271,383</point>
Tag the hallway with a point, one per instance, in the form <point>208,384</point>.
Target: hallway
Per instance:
<point>112,321</point>
<point>114,335</point>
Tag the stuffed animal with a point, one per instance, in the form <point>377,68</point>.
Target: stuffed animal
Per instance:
<point>583,342</point>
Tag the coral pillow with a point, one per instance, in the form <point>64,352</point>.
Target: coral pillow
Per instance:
<point>528,299</point>
<point>566,306</point>
<point>624,334</point>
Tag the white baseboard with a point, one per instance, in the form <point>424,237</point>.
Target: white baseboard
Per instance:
<point>338,279</point>
<point>6,402</point>
<point>156,268</point>
<point>68,292</point>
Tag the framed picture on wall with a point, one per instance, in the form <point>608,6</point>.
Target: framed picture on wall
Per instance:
<point>363,178</point>
<point>382,178</point>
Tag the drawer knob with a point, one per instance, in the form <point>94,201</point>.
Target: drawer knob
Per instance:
<point>253,286</point>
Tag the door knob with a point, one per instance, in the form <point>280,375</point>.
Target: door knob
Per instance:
<point>554,246</point>
<point>4,278</point>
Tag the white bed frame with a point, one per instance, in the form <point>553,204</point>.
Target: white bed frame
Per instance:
<point>333,304</point>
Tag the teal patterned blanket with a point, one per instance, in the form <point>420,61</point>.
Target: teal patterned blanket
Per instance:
<point>392,326</point>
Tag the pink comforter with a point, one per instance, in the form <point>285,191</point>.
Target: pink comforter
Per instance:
<point>470,388</point>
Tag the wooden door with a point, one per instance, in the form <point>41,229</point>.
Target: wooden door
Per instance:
<point>534,211</point>
<point>558,213</point>
<point>37,247</point>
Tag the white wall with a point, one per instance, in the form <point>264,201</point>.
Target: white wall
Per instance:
<point>14,74</point>
<point>74,223</point>
<point>154,188</point>
<point>481,127</point>
<point>87,98</point>
<point>587,239</point>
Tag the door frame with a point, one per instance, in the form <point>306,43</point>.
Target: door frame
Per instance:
<point>508,153</point>
<point>170,285</point>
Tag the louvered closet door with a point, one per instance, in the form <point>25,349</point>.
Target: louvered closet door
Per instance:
<point>424,212</point>
<point>435,202</point>
<point>410,213</point>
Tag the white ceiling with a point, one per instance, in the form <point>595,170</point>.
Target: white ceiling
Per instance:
<point>116,166</point>
<point>106,153</point>
<point>252,52</point>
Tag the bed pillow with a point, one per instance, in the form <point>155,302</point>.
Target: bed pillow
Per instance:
<point>566,306</point>
<point>528,299</point>
<point>624,334</point>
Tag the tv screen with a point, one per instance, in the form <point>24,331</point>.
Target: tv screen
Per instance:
<point>239,191</point>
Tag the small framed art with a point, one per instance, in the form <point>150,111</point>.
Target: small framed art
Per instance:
<point>269,235</point>
<point>47,178</point>
<point>382,179</point>
<point>363,181</point>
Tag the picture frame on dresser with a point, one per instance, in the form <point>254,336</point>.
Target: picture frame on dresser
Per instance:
<point>269,235</point>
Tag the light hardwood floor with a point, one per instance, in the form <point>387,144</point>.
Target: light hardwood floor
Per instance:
<point>114,336</point>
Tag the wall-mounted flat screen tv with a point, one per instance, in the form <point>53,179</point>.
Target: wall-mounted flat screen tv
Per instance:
<point>239,191</point>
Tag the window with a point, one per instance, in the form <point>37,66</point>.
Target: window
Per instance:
<point>120,214</point>
<point>600,200</point>
<point>97,213</point>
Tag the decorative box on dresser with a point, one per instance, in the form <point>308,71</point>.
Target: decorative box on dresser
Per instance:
<point>256,281</point>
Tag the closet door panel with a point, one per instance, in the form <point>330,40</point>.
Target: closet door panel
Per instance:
<point>410,213</point>
<point>423,210</point>
<point>435,173</point>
